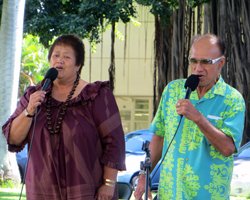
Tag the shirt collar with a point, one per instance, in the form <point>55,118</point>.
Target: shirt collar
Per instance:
<point>219,88</point>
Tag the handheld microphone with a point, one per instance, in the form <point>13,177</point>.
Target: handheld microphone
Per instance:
<point>191,84</point>
<point>50,76</point>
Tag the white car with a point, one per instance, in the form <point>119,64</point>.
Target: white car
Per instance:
<point>240,185</point>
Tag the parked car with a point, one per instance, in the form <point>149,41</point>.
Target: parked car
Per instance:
<point>134,156</point>
<point>240,185</point>
<point>22,158</point>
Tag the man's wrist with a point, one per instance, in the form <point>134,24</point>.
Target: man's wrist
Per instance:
<point>142,172</point>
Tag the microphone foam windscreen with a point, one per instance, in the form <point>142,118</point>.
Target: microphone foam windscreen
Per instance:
<point>51,74</point>
<point>192,82</point>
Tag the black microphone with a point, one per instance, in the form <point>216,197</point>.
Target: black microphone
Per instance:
<point>191,84</point>
<point>50,76</point>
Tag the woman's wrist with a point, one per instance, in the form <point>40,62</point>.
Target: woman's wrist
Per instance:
<point>109,182</point>
<point>28,114</point>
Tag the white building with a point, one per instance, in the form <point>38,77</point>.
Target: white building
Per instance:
<point>134,62</point>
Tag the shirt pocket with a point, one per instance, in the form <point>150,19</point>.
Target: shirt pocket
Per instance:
<point>215,120</point>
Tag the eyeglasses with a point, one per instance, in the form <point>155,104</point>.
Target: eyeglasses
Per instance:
<point>204,61</point>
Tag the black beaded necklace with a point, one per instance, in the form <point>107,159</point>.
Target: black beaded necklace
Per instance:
<point>55,129</point>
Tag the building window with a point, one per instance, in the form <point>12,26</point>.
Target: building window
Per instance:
<point>135,112</point>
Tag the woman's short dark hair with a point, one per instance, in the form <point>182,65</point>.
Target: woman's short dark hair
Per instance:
<point>75,42</point>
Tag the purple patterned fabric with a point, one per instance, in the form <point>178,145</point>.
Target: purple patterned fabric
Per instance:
<point>70,165</point>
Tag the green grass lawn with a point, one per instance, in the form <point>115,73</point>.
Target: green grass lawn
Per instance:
<point>14,193</point>
<point>11,194</point>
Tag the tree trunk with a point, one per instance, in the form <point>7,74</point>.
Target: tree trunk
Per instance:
<point>172,43</point>
<point>11,36</point>
<point>112,58</point>
<point>231,20</point>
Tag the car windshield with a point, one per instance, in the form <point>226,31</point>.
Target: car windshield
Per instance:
<point>23,153</point>
<point>244,154</point>
<point>135,141</point>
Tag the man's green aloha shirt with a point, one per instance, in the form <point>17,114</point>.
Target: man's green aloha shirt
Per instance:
<point>193,168</point>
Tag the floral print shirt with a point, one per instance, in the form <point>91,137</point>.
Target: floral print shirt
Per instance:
<point>192,168</point>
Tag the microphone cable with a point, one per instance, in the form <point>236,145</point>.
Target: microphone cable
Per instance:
<point>191,84</point>
<point>29,151</point>
<point>170,143</point>
<point>50,76</point>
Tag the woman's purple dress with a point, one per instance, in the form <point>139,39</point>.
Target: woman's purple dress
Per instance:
<point>69,165</point>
